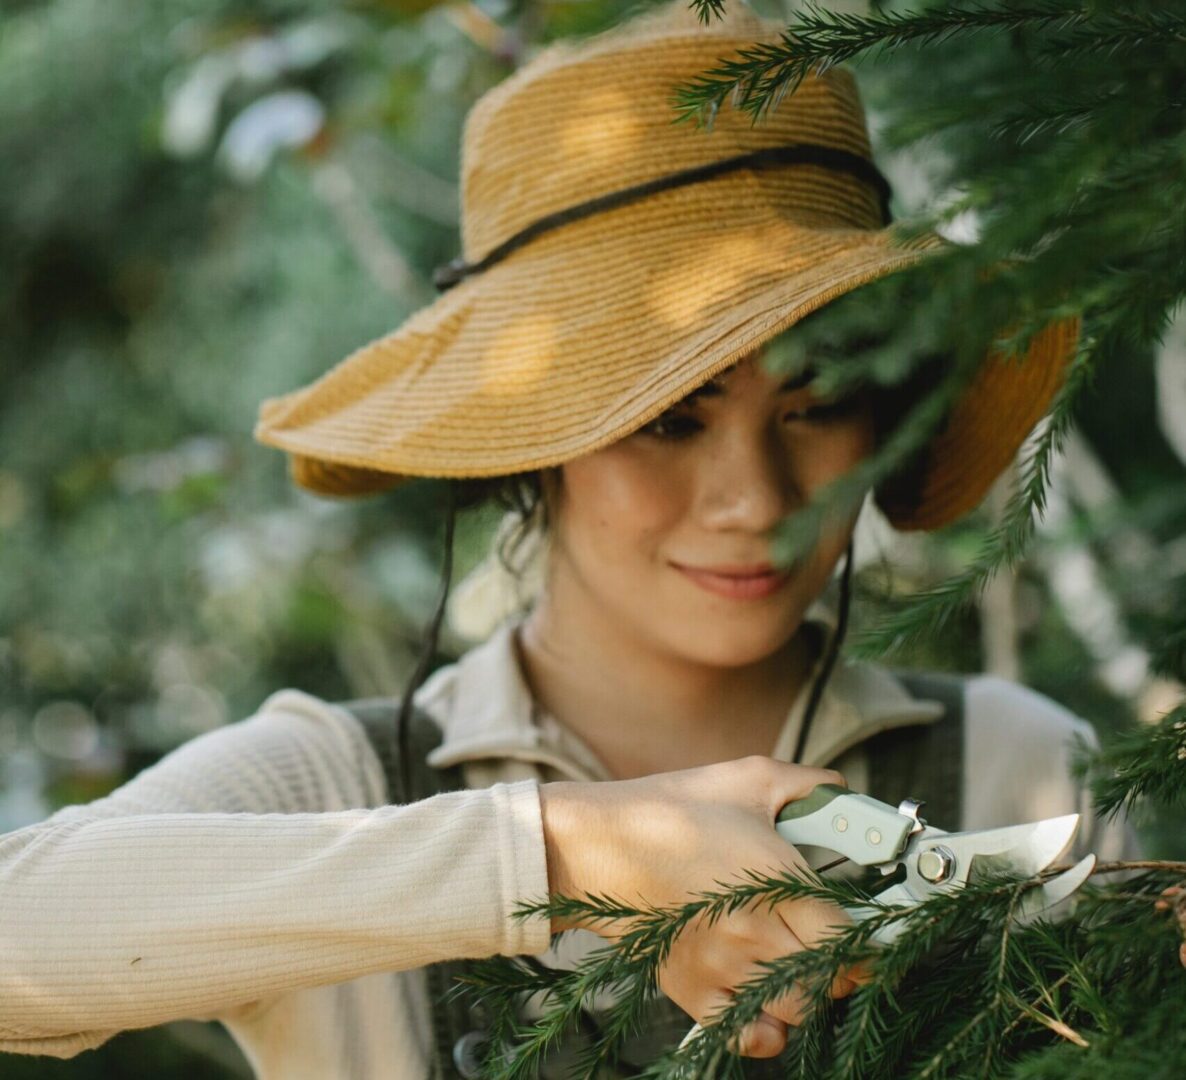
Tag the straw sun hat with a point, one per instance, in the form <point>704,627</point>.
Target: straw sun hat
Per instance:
<point>614,261</point>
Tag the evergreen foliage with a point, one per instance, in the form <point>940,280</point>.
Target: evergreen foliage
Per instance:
<point>151,299</point>
<point>964,991</point>
<point>1143,766</point>
<point>1060,128</point>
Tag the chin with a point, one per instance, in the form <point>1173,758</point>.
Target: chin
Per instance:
<point>717,644</point>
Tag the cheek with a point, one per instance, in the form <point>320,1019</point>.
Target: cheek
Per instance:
<point>612,501</point>
<point>831,452</point>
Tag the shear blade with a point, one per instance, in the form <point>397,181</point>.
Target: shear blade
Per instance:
<point>1040,899</point>
<point>1017,849</point>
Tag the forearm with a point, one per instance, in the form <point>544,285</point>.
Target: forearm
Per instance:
<point>131,921</point>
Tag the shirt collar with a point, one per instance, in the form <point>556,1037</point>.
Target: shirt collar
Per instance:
<point>486,711</point>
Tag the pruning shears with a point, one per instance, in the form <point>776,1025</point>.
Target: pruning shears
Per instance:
<point>925,860</point>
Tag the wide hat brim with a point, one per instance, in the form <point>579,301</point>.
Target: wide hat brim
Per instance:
<point>591,331</point>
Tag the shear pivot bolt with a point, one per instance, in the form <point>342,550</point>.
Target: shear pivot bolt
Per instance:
<point>936,864</point>
<point>840,823</point>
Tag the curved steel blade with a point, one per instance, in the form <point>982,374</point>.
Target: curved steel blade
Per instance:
<point>1037,901</point>
<point>1016,849</point>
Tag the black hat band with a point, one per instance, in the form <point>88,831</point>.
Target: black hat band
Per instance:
<point>829,157</point>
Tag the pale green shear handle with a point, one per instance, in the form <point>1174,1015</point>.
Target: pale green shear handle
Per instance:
<point>855,826</point>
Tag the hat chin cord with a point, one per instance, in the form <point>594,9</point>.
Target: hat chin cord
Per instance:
<point>830,656</point>
<point>403,718</point>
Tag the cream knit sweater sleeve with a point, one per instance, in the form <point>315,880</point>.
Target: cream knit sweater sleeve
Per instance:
<point>253,860</point>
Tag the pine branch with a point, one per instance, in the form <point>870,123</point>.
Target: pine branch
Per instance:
<point>630,963</point>
<point>928,612</point>
<point>761,75</point>
<point>840,499</point>
<point>1028,120</point>
<point>862,1037</point>
<point>709,9</point>
<point>818,39</point>
<point>1169,865</point>
<point>1107,34</point>
<point>944,325</point>
<point>952,996</point>
<point>1148,764</point>
<point>1077,183</point>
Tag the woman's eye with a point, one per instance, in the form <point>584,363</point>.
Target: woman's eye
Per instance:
<point>823,410</point>
<point>672,426</point>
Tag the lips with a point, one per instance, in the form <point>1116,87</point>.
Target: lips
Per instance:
<point>754,582</point>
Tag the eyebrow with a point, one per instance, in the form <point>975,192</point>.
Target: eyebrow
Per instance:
<point>797,382</point>
<point>713,387</point>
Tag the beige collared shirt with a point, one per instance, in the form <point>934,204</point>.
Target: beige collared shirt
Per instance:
<point>257,875</point>
<point>492,727</point>
<point>1018,751</point>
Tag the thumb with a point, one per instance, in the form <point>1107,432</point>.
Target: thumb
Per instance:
<point>795,782</point>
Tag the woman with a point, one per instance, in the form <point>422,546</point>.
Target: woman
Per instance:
<point>668,693</point>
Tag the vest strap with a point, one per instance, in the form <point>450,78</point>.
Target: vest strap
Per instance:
<point>925,761</point>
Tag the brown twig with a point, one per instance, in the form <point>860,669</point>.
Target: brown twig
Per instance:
<point>1046,993</point>
<point>1140,864</point>
<point>1119,867</point>
<point>1058,1027</point>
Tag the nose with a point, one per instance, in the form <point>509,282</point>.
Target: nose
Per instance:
<point>747,485</point>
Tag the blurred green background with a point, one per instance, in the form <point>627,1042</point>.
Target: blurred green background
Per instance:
<point>206,202</point>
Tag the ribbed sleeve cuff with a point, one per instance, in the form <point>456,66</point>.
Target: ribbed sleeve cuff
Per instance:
<point>521,840</point>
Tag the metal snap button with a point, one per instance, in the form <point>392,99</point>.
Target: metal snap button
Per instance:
<point>467,1054</point>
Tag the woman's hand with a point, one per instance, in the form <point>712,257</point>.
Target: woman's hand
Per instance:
<point>666,837</point>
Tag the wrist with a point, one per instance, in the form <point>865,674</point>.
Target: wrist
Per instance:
<point>567,823</point>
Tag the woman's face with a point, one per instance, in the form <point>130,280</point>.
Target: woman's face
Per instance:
<point>667,533</point>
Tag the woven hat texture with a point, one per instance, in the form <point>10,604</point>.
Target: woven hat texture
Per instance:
<point>590,330</point>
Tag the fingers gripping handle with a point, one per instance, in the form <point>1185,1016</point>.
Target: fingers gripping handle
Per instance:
<point>855,826</point>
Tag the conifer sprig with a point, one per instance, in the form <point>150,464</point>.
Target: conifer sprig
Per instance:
<point>630,967</point>
<point>841,498</point>
<point>955,994</point>
<point>1148,764</point>
<point>1094,215</point>
<point>946,333</point>
<point>928,611</point>
<point>760,76</point>
<point>1061,132</point>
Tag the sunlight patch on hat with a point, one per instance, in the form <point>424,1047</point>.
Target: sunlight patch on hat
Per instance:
<point>518,359</point>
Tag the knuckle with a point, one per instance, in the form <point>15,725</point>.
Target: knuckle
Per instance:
<point>707,1006</point>
<point>745,926</point>
<point>841,987</point>
<point>764,1038</point>
<point>791,1008</point>
<point>756,775</point>
<point>792,1017</point>
<point>756,765</point>
<point>725,959</point>
<point>861,973</point>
